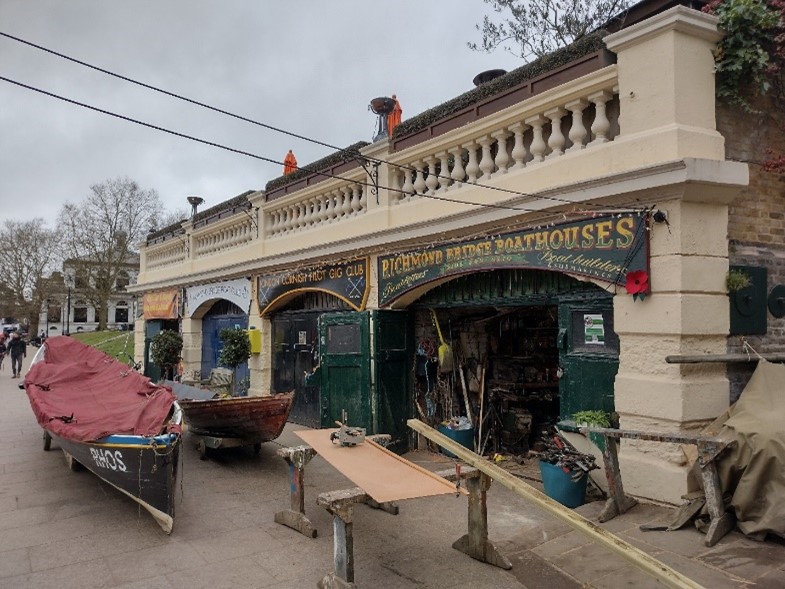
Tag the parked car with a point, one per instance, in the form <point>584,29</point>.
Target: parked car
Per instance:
<point>10,324</point>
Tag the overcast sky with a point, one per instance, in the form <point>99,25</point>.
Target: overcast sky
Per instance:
<point>306,67</point>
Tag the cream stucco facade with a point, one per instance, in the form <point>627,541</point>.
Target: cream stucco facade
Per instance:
<point>639,133</point>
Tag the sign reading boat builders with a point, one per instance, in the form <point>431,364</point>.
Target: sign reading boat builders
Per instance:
<point>604,248</point>
<point>346,280</point>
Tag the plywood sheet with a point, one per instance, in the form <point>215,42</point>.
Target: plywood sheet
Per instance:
<point>383,475</point>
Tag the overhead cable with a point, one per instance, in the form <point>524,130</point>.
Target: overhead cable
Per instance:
<point>279,130</point>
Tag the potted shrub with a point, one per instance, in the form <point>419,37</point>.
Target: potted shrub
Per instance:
<point>593,418</point>
<point>236,350</point>
<point>165,350</point>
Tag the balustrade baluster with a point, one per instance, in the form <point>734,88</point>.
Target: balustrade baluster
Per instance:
<point>519,152</point>
<point>299,216</point>
<point>313,210</point>
<point>271,219</point>
<point>330,207</point>
<point>432,182</point>
<point>578,129</point>
<point>601,124</point>
<point>458,173</point>
<point>355,192</point>
<point>364,197</point>
<point>307,214</point>
<point>556,140</point>
<point>338,204</point>
<point>408,187</point>
<point>502,155</point>
<point>419,183</point>
<point>347,204</point>
<point>444,172</point>
<point>538,145</point>
<point>472,167</point>
<point>320,215</point>
<point>486,162</point>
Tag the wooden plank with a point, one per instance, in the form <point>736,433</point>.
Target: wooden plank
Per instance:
<point>383,475</point>
<point>700,358</point>
<point>663,573</point>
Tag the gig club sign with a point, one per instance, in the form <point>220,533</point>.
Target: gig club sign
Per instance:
<point>604,248</point>
<point>346,280</point>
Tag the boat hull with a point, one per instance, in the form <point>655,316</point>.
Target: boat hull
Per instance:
<point>146,472</point>
<point>256,419</point>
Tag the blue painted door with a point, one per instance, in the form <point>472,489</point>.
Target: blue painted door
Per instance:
<point>223,315</point>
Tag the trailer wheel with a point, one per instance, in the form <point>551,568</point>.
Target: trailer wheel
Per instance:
<point>202,448</point>
<point>47,441</point>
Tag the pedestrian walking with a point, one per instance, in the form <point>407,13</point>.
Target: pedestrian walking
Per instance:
<point>17,348</point>
<point>3,350</point>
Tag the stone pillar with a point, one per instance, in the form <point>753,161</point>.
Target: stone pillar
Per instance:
<point>192,349</point>
<point>666,82</point>
<point>686,313</point>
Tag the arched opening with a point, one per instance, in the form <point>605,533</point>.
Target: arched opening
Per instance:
<point>529,349</point>
<point>222,315</point>
<point>295,350</point>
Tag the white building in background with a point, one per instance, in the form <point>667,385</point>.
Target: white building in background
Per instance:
<point>69,310</point>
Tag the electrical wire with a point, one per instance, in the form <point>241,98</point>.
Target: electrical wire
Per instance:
<point>266,159</point>
<point>283,131</point>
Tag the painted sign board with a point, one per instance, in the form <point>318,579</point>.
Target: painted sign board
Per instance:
<point>161,304</point>
<point>236,291</point>
<point>602,247</point>
<point>346,280</point>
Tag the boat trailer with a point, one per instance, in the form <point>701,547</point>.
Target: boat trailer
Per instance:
<point>208,442</point>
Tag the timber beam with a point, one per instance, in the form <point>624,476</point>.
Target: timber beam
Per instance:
<point>660,571</point>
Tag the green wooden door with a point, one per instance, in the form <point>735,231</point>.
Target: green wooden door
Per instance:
<point>345,376</point>
<point>392,348</point>
<point>588,354</point>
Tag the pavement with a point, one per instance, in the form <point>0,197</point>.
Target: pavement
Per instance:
<point>62,529</point>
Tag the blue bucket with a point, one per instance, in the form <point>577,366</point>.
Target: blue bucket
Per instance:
<point>465,437</point>
<point>560,486</point>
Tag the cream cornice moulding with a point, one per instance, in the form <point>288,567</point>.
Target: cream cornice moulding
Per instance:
<point>678,18</point>
<point>725,178</point>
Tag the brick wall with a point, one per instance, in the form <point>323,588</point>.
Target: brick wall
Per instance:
<point>756,224</point>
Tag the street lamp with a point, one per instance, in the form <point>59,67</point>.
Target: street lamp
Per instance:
<point>47,317</point>
<point>68,284</point>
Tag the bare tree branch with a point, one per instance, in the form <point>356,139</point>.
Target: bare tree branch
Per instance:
<point>100,234</point>
<point>533,28</point>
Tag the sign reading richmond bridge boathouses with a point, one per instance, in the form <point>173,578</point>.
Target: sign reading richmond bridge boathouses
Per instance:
<point>605,248</point>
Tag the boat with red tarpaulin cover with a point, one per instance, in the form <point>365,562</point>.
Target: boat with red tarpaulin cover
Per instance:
<point>109,419</point>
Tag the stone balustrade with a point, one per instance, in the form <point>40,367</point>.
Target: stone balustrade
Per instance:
<point>237,231</point>
<point>493,147</point>
<point>579,116</point>
<point>327,203</point>
<point>166,254</point>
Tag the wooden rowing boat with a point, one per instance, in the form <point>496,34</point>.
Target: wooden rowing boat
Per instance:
<point>109,419</point>
<point>254,418</point>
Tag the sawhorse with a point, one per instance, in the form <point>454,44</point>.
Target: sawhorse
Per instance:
<point>475,543</point>
<point>709,449</point>
<point>297,457</point>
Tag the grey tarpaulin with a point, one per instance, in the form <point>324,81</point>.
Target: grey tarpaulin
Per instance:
<point>753,471</point>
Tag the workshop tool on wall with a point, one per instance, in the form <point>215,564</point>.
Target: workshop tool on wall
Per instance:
<point>466,401</point>
<point>347,436</point>
<point>445,350</point>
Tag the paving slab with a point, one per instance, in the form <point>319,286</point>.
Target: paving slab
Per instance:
<point>64,530</point>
